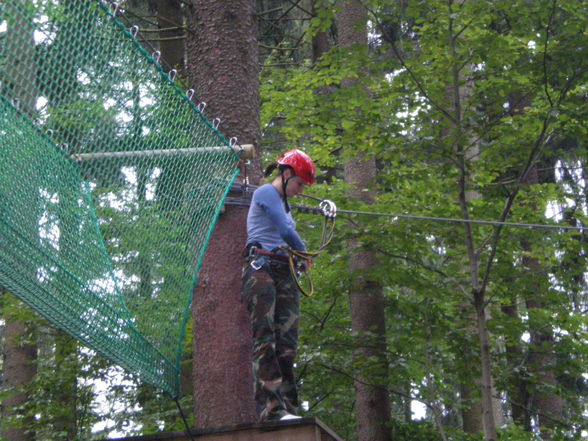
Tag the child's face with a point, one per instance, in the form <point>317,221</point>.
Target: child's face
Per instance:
<point>295,186</point>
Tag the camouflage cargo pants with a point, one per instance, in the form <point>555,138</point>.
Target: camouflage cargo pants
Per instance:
<point>273,302</point>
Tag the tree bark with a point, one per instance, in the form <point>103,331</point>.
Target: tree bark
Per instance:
<point>487,383</point>
<point>19,369</point>
<point>19,349</point>
<point>471,408</point>
<point>65,386</point>
<point>365,295</point>
<point>546,404</point>
<point>519,395</point>
<point>223,67</point>
<point>321,41</point>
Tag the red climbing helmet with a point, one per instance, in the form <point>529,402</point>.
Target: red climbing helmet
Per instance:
<point>300,163</point>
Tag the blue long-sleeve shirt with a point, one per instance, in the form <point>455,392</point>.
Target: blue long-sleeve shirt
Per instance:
<point>269,224</point>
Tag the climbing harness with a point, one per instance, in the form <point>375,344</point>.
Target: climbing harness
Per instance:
<point>259,256</point>
<point>293,258</point>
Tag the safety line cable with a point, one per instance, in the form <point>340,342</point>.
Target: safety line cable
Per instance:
<point>244,202</point>
<point>452,220</point>
<point>464,221</point>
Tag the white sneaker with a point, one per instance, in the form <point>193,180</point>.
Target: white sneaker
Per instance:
<point>289,416</point>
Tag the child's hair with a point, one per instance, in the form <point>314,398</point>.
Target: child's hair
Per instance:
<point>270,169</point>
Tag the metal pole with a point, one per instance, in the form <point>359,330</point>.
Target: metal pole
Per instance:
<point>245,151</point>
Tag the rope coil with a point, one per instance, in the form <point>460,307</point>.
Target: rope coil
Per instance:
<point>297,269</point>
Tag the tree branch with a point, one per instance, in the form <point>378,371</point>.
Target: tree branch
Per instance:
<point>412,75</point>
<point>269,11</point>
<point>296,4</point>
<point>541,141</point>
<point>427,267</point>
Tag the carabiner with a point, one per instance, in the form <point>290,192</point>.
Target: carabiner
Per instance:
<point>328,208</point>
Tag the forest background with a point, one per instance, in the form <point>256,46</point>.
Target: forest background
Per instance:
<point>458,109</point>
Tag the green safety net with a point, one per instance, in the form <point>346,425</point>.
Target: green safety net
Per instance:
<point>111,181</point>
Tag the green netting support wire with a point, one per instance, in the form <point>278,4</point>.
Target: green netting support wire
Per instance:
<point>111,181</point>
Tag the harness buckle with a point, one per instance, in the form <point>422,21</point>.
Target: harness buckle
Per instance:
<point>252,250</point>
<point>256,265</point>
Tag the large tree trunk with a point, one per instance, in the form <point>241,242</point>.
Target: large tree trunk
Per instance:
<point>546,404</point>
<point>223,68</point>
<point>365,296</point>
<point>19,349</point>
<point>518,395</point>
<point>19,369</point>
<point>534,394</point>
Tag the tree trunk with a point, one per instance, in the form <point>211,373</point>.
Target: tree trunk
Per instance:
<point>19,349</point>
<point>536,396</point>
<point>468,152</point>
<point>518,394</point>
<point>487,383</point>
<point>64,389</point>
<point>365,296</point>
<point>321,41</point>
<point>19,369</point>
<point>223,67</point>
<point>471,408</point>
<point>65,386</point>
<point>546,404</point>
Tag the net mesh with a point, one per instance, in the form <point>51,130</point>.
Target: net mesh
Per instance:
<point>111,180</point>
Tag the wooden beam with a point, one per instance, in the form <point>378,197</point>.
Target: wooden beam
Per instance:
<point>304,429</point>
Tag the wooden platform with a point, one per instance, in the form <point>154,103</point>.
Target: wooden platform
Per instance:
<point>305,429</point>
